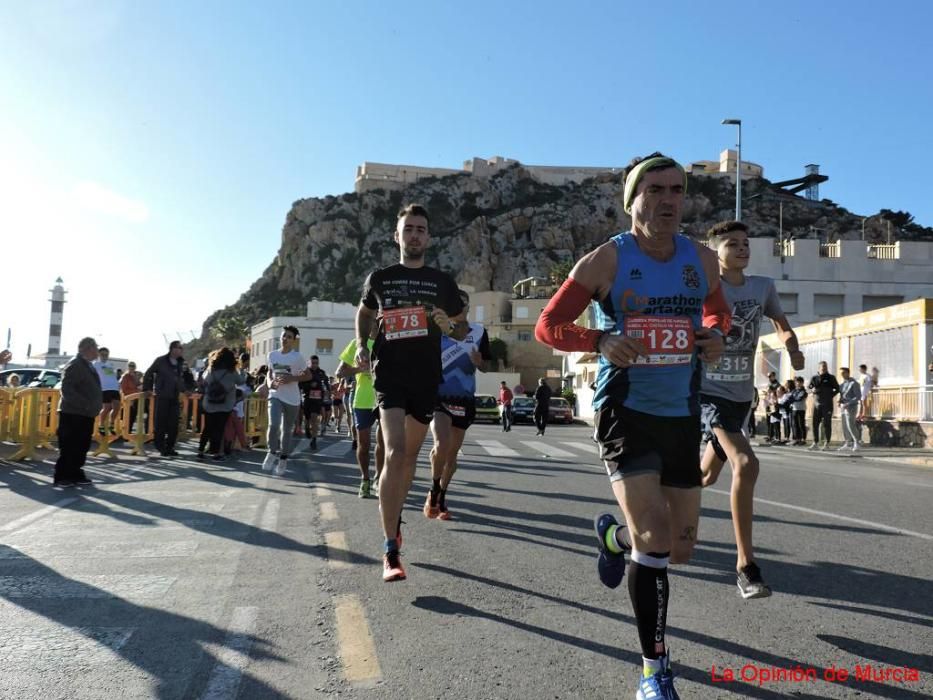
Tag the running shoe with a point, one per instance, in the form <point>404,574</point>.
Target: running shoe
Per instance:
<point>825,446</point>
<point>268,464</point>
<point>365,487</point>
<point>82,480</point>
<point>660,686</point>
<point>430,505</point>
<point>280,466</point>
<point>610,566</point>
<point>845,446</point>
<point>444,514</point>
<point>392,569</point>
<point>313,445</point>
<point>855,447</point>
<point>813,446</point>
<point>750,582</point>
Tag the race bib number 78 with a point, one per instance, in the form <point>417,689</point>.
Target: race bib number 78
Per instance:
<point>668,339</point>
<point>411,322</point>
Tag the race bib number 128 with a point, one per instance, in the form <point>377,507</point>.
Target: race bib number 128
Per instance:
<point>668,339</point>
<point>411,322</point>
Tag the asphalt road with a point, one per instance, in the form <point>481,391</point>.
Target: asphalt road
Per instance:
<point>179,579</point>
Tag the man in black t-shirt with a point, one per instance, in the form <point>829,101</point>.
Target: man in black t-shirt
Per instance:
<point>313,392</point>
<point>543,396</point>
<point>414,306</point>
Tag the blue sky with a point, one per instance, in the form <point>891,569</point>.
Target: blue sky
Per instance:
<point>149,152</point>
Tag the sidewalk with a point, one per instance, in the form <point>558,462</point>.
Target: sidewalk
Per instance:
<point>917,456</point>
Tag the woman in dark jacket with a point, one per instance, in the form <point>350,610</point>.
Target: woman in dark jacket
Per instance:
<point>220,382</point>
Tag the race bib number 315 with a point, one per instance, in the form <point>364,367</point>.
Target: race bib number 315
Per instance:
<point>668,339</point>
<point>405,323</point>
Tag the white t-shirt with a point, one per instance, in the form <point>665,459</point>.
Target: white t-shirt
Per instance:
<point>282,364</point>
<point>108,376</point>
<point>865,381</point>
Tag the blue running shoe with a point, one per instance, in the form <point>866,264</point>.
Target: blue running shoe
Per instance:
<point>660,686</point>
<point>611,566</point>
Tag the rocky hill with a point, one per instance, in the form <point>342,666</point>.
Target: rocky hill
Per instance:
<point>489,233</point>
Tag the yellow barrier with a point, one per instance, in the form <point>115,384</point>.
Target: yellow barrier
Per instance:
<point>29,417</point>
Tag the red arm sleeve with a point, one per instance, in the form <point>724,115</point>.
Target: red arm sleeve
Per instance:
<point>716,311</point>
<point>556,325</point>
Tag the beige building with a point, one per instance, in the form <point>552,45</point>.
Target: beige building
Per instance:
<point>725,167</point>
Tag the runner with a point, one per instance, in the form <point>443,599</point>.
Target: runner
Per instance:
<point>728,388</point>
<point>286,369</point>
<point>350,384</point>
<point>337,395</point>
<point>314,389</point>
<point>456,408</point>
<point>656,291</point>
<point>416,305</point>
<point>542,413</point>
<point>365,416</point>
<point>110,386</point>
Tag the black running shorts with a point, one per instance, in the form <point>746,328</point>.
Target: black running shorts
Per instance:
<point>717,412</point>
<point>631,442</point>
<point>461,409</point>
<point>110,395</point>
<point>418,402</point>
<point>311,407</point>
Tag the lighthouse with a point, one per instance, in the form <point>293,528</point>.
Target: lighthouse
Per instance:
<point>55,318</point>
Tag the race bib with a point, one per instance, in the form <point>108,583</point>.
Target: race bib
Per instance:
<point>411,322</point>
<point>455,411</point>
<point>668,339</point>
<point>314,394</point>
<point>731,368</point>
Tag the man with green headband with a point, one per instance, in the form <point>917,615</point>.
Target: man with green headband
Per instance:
<point>660,314</point>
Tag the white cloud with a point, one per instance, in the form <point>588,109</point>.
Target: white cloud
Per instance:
<point>95,197</point>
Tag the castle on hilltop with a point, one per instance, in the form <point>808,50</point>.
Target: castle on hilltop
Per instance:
<point>372,176</point>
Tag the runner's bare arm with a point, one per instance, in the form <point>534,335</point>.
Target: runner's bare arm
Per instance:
<point>344,370</point>
<point>716,312</point>
<point>365,317</point>
<point>789,338</point>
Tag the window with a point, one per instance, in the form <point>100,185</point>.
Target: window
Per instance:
<point>788,303</point>
<point>525,336</point>
<point>479,313</point>
<point>814,353</point>
<point>827,305</point>
<point>871,303</point>
<point>325,346</point>
<point>276,343</point>
<point>521,312</point>
<point>891,351</point>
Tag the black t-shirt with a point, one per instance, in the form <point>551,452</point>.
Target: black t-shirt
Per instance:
<point>543,396</point>
<point>407,350</point>
<point>315,388</point>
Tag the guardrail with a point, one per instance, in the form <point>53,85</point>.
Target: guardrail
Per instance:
<point>901,403</point>
<point>884,251</point>
<point>29,418</point>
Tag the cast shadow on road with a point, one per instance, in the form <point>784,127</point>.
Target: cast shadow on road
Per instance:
<point>883,614</point>
<point>720,514</point>
<point>180,637</point>
<point>755,656</point>
<point>884,655</point>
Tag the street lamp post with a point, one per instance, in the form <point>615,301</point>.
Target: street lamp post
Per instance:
<point>738,167</point>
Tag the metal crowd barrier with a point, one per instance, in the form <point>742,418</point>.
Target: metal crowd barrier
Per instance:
<point>29,418</point>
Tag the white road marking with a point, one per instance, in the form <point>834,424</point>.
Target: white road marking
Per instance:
<point>546,449</point>
<point>496,448</point>
<point>337,555</point>
<point>110,586</point>
<point>22,522</point>
<point>328,511</point>
<point>338,449</point>
<point>322,492</point>
<point>357,648</point>
<point>836,516</point>
<point>234,657</point>
<point>61,646</point>
<point>270,516</point>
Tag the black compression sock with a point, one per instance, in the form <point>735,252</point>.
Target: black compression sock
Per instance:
<point>436,486</point>
<point>648,589</point>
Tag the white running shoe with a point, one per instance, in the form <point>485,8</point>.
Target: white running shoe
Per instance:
<point>270,462</point>
<point>280,466</point>
<point>855,447</point>
<point>845,446</point>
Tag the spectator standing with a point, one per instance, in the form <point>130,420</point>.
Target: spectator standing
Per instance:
<point>220,381</point>
<point>542,405</point>
<point>129,385</point>
<point>164,377</point>
<point>850,400</point>
<point>80,404</point>
<point>287,367</point>
<point>824,388</point>
<point>865,385</point>
<point>110,387</point>
<point>785,403</point>
<point>13,381</point>
<point>505,398</point>
<point>799,408</point>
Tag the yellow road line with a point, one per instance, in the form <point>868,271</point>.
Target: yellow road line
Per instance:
<point>337,555</point>
<point>328,511</point>
<point>356,647</point>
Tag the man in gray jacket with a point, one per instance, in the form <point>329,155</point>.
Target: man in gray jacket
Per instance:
<point>165,377</point>
<point>850,399</point>
<point>80,404</point>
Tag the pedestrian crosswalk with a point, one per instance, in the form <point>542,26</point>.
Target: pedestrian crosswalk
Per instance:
<point>516,448</point>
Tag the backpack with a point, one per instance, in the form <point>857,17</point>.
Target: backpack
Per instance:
<point>216,391</point>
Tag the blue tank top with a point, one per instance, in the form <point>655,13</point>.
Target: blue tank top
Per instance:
<point>660,302</point>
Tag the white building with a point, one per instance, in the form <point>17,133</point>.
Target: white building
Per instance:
<point>325,332</point>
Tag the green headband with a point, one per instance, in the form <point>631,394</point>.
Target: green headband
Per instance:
<point>634,177</point>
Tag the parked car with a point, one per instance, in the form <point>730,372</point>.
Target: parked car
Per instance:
<point>32,376</point>
<point>523,409</point>
<point>487,408</point>
<point>560,411</point>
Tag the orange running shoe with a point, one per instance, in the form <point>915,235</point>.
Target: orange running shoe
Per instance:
<point>442,506</point>
<point>430,505</point>
<point>392,569</point>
